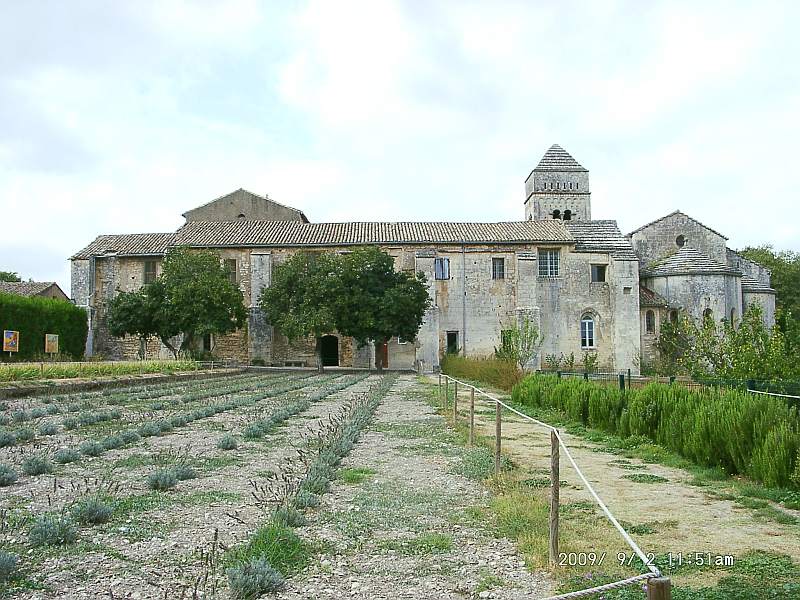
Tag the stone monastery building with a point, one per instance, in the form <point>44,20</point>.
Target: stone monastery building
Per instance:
<point>590,288</point>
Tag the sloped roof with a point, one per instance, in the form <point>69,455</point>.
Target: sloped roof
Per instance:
<point>133,244</point>
<point>600,236</point>
<point>687,261</point>
<point>753,285</point>
<point>558,159</point>
<point>294,233</point>
<point>26,288</point>
<point>672,214</point>
<point>648,297</point>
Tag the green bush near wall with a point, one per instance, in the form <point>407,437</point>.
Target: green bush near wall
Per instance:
<point>34,317</point>
<point>743,433</point>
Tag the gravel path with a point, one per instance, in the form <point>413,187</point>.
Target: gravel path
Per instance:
<point>413,528</point>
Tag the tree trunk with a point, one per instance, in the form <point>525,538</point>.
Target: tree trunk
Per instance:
<point>320,366</point>
<point>171,348</point>
<point>379,355</point>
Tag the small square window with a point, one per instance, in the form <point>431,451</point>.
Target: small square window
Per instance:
<point>452,342</point>
<point>442,268</point>
<point>498,268</point>
<point>598,273</point>
<point>548,263</point>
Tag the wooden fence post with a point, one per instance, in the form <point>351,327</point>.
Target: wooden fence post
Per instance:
<point>659,588</point>
<point>554,497</point>
<point>498,426</point>
<point>455,403</point>
<point>439,389</point>
<point>472,416</point>
<point>446,392</point>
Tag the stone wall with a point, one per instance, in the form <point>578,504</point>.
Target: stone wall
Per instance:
<point>242,204</point>
<point>695,294</point>
<point>767,303</point>
<point>753,269</point>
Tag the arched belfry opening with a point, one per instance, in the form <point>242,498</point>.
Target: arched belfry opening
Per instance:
<point>330,351</point>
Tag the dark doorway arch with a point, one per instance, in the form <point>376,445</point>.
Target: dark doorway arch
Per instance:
<point>330,351</point>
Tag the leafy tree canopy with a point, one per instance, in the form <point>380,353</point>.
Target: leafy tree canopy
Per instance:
<point>193,296</point>
<point>9,276</point>
<point>785,268</point>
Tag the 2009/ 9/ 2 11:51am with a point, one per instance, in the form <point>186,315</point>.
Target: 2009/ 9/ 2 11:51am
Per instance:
<point>673,559</point>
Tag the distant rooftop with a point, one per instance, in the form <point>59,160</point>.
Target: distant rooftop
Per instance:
<point>558,159</point>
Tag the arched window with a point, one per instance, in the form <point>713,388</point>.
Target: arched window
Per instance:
<point>556,214</point>
<point>650,321</point>
<point>567,215</point>
<point>680,241</point>
<point>587,332</point>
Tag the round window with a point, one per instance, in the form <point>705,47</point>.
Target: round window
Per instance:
<point>680,241</point>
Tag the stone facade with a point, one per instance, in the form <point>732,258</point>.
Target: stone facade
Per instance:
<point>588,288</point>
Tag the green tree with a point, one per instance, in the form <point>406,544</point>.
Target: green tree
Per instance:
<point>198,296</point>
<point>9,276</point>
<point>785,268</point>
<point>143,313</point>
<point>521,342</point>
<point>298,301</point>
<point>193,297</point>
<point>373,302</point>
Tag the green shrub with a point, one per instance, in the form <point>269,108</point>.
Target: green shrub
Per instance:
<point>37,464</point>
<point>129,436</point>
<point>184,472</point>
<point>499,373</point>
<point>290,516</point>
<point>70,423</point>
<point>276,543</point>
<point>7,439</point>
<point>25,434</point>
<point>66,455</point>
<point>161,480</point>
<point>90,448</point>
<point>36,316</point>
<point>52,530</point>
<point>7,475</point>
<point>253,579</point>
<point>149,430</point>
<point>736,431</point>
<point>227,442</point>
<point>305,499</point>
<point>9,566</point>
<point>92,511</point>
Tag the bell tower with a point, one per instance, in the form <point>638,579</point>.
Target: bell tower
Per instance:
<point>558,188</point>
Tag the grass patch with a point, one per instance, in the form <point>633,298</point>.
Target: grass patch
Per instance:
<point>645,478</point>
<point>278,544</point>
<point>355,475</point>
<point>477,463</point>
<point>426,543</point>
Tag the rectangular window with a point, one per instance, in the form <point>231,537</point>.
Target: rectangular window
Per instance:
<point>442,268</point>
<point>548,263</point>
<point>587,333</point>
<point>498,268</point>
<point>232,269</point>
<point>598,273</point>
<point>452,342</point>
<point>149,271</point>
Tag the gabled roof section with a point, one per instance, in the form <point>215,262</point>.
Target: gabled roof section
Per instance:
<point>294,233</point>
<point>672,214</point>
<point>600,236</point>
<point>27,288</point>
<point>242,191</point>
<point>648,297</point>
<point>754,286</point>
<point>687,261</point>
<point>133,244</point>
<point>558,159</point>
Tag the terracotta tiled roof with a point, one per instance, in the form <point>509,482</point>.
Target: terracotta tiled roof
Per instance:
<point>293,233</point>
<point>648,297</point>
<point>25,288</point>
<point>558,159</point>
<point>134,244</point>
<point>672,214</point>
<point>687,261</point>
<point>600,236</point>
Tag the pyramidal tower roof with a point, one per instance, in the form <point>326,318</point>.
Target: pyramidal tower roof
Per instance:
<point>558,159</point>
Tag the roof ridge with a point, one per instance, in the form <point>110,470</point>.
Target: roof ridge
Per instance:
<point>672,214</point>
<point>558,159</point>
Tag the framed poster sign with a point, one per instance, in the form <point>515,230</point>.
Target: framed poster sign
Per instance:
<point>10,341</point>
<point>51,343</point>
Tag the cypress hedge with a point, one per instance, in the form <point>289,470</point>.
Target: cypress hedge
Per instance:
<point>743,433</point>
<point>34,317</point>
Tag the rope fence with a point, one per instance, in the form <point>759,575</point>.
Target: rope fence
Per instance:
<point>658,587</point>
<point>774,394</point>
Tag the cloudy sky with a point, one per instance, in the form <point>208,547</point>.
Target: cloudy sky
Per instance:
<point>116,117</point>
